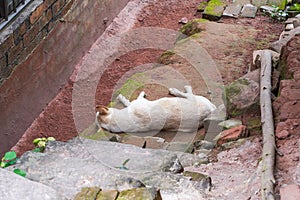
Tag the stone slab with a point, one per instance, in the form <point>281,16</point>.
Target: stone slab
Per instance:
<point>15,187</point>
<point>68,167</point>
<point>214,10</point>
<point>259,3</point>
<point>249,11</point>
<point>232,10</point>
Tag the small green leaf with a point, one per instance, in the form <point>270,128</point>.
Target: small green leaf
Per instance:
<point>122,167</point>
<point>38,149</point>
<point>36,141</point>
<point>125,162</point>
<point>3,164</point>
<point>41,144</point>
<point>20,172</point>
<point>10,155</point>
<point>51,139</point>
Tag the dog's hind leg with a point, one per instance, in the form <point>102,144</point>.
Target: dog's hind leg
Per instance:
<point>188,89</point>
<point>123,100</point>
<point>177,93</point>
<point>141,95</point>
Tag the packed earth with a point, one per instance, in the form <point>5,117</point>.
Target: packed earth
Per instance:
<point>233,161</point>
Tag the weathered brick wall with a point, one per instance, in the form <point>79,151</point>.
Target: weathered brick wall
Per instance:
<point>24,34</point>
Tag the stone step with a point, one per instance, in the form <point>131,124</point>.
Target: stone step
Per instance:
<point>14,187</point>
<point>68,167</point>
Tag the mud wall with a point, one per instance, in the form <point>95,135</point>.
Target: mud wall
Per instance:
<point>64,32</point>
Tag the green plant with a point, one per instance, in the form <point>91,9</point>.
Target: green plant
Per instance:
<point>123,165</point>
<point>41,143</point>
<point>20,172</point>
<point>295,7</point>
<point>8,159</point>
<point>278,14</point>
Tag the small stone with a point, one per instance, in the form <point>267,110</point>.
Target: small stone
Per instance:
<point>177,167</point>
<point>107,194</point>
<point>296,23</point>
<point>249,11</point>
<point>203,144</point>
<point>183,20</point>
<point>87,193</point>
<point>230,123</point>
<point>204,180</point>
<point>282,134</point>
<point>296,159</point>
<point>267,9</point>
<point>232,134</point>
<point>289,27</point>
<point>140,193</point>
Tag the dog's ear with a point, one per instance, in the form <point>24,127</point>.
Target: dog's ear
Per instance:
<point>102,110</point>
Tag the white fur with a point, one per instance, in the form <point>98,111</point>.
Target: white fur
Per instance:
<point>185,113</point>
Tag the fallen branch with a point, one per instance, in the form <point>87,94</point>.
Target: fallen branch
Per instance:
<point>268,154</point>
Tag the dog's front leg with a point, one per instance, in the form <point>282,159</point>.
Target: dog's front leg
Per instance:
<point>188,89</point>
<point>123,100</point>
<point>177,93</point>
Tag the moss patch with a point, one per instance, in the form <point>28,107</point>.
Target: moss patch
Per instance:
<point>166,57</point>
<point>201,7</point>
<point>131,85</point>
<point>214,9</point>
<point>230,91</point>
<point>193,27</point>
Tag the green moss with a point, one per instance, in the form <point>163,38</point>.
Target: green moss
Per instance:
<point>254,124</point>
<point>231,91</point>
<point>165,57</point>
<point>131,85</point>
<point>282,4</point>
<point>201,7</point>
<point>193,27</point>
<point>87,193</point>
<point>195,176</point>
<point>214,6</point>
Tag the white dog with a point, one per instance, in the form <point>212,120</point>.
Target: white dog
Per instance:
<point>184,113</point>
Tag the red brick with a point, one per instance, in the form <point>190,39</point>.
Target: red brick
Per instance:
<point>57,6</point>
<point>14,52</point>
<point>3,63</point>
<point>6,45</point>
<point>32,45</point>
<point>48,3</point>
<point>67,7</point>
<point>36,28</point>
<point>37,13</point>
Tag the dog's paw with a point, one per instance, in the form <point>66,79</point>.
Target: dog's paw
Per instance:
<point>188,89</point>
<point>172,91</point>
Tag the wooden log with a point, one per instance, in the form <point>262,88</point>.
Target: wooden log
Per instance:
<point>268,154</point>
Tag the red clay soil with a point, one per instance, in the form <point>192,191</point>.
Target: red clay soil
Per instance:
<point>57,119</point>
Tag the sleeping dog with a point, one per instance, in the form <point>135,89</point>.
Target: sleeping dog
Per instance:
<point>184,113</point>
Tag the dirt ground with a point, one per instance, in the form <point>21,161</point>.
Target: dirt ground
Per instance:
<point>234,58</point>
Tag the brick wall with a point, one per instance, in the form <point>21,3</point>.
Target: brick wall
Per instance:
<point>23,35</point>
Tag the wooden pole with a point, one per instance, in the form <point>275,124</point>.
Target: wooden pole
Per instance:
<point>268,154</point>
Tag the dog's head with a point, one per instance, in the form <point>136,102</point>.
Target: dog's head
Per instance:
<point>102,115</point>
